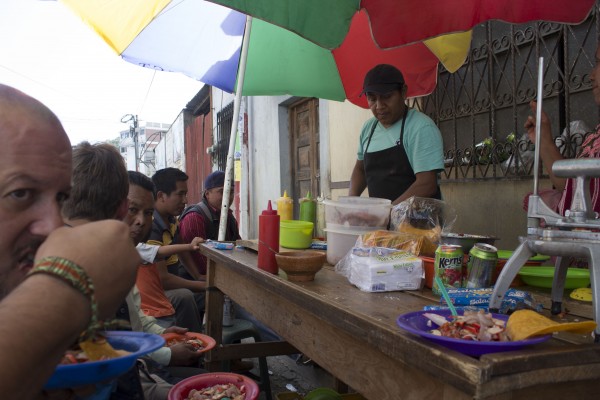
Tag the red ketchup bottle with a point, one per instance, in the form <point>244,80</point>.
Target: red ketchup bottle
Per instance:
<point>268,240</point>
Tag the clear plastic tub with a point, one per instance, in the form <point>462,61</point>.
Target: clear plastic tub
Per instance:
<point>356,212</point>
<point>341,241</point>
<point>337,227</point>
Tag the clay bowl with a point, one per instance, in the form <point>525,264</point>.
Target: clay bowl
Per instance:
<point>300,266</point>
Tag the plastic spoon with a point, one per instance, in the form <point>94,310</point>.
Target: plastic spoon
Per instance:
<point>442,289</point>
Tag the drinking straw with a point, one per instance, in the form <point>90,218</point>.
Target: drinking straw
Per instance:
<point>444,292</point>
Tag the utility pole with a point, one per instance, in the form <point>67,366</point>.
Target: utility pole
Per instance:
<point>134,133</point>
<point>135,142</point>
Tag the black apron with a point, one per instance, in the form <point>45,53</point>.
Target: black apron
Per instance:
<point>388,172</point>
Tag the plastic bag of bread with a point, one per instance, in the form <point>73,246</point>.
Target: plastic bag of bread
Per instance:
<point>423,217</point>
<point>416,244</point>
<point>432,236</point>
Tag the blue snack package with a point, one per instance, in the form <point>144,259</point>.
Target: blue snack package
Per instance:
<point>466,308</point>
<point>223,246</point>
<point>513,299</point>
<point>318,245</point>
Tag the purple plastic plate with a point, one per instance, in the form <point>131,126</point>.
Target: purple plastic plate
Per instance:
<point>416,323</point>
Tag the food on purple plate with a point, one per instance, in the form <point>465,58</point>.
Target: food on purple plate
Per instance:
<point>472,325</point>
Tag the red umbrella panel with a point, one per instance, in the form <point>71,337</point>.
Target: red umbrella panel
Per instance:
<point>396,23</point>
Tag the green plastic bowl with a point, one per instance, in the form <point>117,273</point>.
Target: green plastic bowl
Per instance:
<point>295,234</point>
<point>538,258</point>
<point>543,277</point>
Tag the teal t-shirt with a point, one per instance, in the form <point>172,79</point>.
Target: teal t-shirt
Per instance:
<point>422,141</point>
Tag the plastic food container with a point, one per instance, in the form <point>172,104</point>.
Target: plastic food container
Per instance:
<point>341,241</point>
<point>358,212</point>
<point>337,227</point>
<point>295,234</point>
<point>429,270</point>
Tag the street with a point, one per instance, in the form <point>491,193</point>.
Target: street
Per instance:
<point>287,375</point>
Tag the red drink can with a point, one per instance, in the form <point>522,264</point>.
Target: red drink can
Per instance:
<point>448,266</point>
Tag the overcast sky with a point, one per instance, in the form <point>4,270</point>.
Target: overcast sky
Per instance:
<point>49,53</point>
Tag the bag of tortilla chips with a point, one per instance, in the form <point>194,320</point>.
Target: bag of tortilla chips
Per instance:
<point>99,349</point>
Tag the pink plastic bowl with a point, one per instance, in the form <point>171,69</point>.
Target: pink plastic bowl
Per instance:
<point>182,389</point>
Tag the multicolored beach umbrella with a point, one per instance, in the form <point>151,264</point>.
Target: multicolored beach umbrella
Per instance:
<point>312,48</point>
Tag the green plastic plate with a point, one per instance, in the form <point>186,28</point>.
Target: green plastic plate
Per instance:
<point>543,277</point>
<point>505,255</point>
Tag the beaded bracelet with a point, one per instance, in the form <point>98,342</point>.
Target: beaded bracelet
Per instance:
<point>76,277</point>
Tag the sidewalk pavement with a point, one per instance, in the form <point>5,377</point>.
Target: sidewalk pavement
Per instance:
<point>286,375</point>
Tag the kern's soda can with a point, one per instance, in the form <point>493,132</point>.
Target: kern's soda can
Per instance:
<point>481,266</point>
<point>448,266</point>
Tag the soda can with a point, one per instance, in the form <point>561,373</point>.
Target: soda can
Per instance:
<point>448,266</point>
<point>481,266</point>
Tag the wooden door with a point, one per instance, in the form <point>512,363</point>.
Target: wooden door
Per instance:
<point>304,141</point>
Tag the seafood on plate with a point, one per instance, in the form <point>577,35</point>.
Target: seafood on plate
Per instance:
<point>472,325</point>
<point>196,343</point>
<point>216,392</point>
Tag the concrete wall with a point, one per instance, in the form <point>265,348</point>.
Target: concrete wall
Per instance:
<point>493,208</point>
<point>268,154</point>
<point>219,100</point>
<point>170,151</point>
<point>345,121</point>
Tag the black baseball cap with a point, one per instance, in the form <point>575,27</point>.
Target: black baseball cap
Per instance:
<point>382,79</point>
<point>215,179</point>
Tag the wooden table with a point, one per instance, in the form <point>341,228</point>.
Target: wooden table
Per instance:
<point>354,336</point>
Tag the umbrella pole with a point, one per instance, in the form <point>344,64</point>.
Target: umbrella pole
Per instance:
<point>538,125</point>
<point>234,130</point>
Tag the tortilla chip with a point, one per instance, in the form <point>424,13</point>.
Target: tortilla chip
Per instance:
<point>99,349</point>
<point>524,324</point>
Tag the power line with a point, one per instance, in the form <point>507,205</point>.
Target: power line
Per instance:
<point>39,83</point>
<point>147,93</point>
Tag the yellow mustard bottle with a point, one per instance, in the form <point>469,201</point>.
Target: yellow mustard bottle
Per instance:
<point>285,207</point>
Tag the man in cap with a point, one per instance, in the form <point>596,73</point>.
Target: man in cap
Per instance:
<point>202,219</point>
<point>400,150</point>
